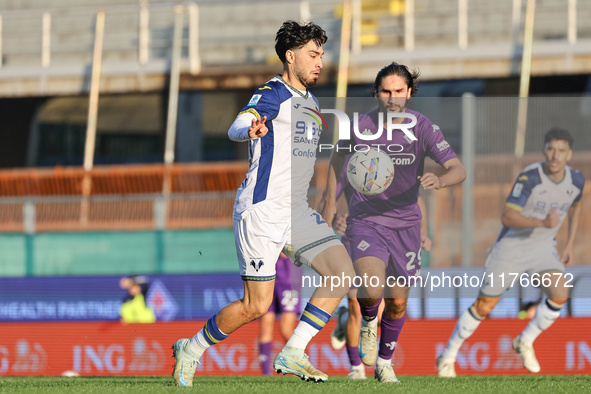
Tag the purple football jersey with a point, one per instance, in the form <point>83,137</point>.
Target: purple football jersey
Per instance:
<point>397,207</point>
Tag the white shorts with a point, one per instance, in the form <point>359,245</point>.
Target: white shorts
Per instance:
<point>258,243</point>
<point>501,266</point>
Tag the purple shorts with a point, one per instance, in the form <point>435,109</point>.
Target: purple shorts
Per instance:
<point>283,297</point>
<point>399,249</point>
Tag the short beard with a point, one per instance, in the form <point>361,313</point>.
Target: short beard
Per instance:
<point>302,77</point>
<point>384,108</point>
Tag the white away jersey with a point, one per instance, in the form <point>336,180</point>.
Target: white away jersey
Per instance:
<point>270,185</point>
<point>534,195</point>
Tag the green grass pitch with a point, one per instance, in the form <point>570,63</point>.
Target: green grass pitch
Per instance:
<point>292,385</point>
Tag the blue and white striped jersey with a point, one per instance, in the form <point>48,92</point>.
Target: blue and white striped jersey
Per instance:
<point>534,195</point>
<point>281,162</point>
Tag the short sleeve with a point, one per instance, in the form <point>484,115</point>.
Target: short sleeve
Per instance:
<point>579,182</point>
<point>437,148</point>
<point>263,102</point>
<point>522,188</point>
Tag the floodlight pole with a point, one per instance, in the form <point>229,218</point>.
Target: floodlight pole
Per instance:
<point>194,59</point>
<point>409,25</point>
<point>468,130</point>
<point>46,40</point>
<point>161,207</point>
<point>305,11</point>
<point>173,93</point>
<point>92,113</point>
<point>343,71</point>
<point>144,33</point>
<point>462,24</point>
<point>525,78</point>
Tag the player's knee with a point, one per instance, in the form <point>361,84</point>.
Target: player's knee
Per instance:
<point>395,307</point>
<point>559,300</point>
<point>400,304</point>
<point>484,306</point>
<point>255,310</point>
<point>371,292</point>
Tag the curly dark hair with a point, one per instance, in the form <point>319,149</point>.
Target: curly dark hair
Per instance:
<point>558,134</point>
<point>295,35</point>
<point>411,77</point>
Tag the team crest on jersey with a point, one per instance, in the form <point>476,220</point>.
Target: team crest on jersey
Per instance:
<point>255,99</point>
<point>363,245</point>
<point>517,190</point>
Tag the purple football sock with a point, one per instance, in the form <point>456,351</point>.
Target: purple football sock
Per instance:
<point>390,331</point>
<point>265,357</point>
<point>353,353</point>
<point>370,312</point>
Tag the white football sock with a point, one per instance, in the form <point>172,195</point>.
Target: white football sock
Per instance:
<point>466,325</point>
<point>382,361</point>
<point>302,335</point>
<point>198,343</point>
<point>546,313</point>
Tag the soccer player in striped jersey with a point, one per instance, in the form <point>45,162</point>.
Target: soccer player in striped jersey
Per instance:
<point>543,195</point>
<point>271,212</point>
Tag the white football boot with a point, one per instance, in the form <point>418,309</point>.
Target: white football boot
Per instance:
<point>526,351</point>
<point>446,367</point>
<point>295,362</point>
<point>357,372</point>
<point>368,344</point>
<point>185,363</point>
<point>385,374</point>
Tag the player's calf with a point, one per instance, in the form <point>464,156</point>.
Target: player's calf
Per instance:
<point>484,305</point>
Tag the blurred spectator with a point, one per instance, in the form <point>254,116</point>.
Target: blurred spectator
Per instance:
<point>134,308</point>
<point>528,310</point>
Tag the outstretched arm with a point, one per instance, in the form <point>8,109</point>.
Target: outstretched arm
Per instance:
<point>455,174</point>
<point>247,127</point>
